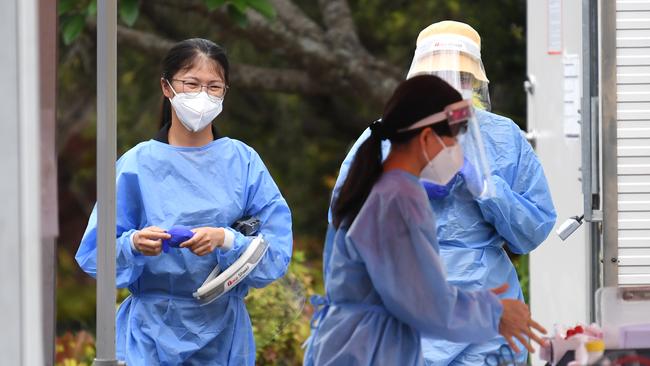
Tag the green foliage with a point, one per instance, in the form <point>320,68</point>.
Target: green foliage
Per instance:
<point>71,27</point>
<point>521,265</point>
<point>129,11</point>
<point>73,13</point>
<point>75,349</point>
<point>280,322</point>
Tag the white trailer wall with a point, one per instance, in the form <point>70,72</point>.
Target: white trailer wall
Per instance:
<point>633,140</point>
<point>559,271</point>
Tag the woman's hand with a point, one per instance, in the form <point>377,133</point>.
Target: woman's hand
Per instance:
<point>205,240</point>
<point>516,322</point>
<point>148,241</point>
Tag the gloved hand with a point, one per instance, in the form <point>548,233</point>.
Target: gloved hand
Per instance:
<point>436,191</point>
<point>179,234</point>
<point>475,184</point>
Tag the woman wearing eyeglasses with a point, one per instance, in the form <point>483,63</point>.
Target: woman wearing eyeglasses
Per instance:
<point>189,175</point>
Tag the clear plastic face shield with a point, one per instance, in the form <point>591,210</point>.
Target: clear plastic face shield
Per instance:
<point>475,170</point>
<point>457,60</point>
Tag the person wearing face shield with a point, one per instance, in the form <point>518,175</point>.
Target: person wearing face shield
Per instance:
<point>191,176</point>
<point>511,207</point>
<point>386,286</point>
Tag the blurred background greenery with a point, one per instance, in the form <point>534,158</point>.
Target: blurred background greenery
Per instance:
<point>307,78</point>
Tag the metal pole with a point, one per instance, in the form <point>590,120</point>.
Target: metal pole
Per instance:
<point>590,145</point>
<point>106,156</point>
<point>30,186</point>
<point>607,13</point>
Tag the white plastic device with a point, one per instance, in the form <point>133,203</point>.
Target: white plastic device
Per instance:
<point>569,226</point>
<point>218,283</point>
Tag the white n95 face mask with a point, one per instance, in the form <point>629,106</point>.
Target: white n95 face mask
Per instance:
<point>444,166</point>
<point>196,112</point>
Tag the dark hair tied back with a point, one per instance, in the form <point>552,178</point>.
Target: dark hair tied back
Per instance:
<point>376,128</point>
<point>413,100</point>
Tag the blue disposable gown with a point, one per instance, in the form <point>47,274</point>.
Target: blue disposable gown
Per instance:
<point>386,285</point>
<point>214,185</point>
<point>472,232</point>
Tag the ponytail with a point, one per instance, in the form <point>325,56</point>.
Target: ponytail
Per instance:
<point>364,172</point>
<point>165,112</point>
<point>413,100</point>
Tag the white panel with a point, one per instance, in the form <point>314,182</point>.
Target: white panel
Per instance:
<point>626,38</point>
<point>634,224</point>
<point>642,241</point>
<point>635,270</point>
<point>633,56</point>
<point>634,256</point>
<point>626,184</point>
<point>633,93</point>
<point>636,21</point>
<point>632,5</point>
<point>636,279</point>
<point>633,75</point>
<point>561,159</point>
<point>632,52</point>
<point>632,147</point>
<point>633,202</point>
<point>634,165</point>
<point>631,216</point>
<point>633,133</point>
<point>633,111</point>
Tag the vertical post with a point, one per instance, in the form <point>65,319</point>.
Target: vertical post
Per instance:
<point>49,205</point>
<point>607,12</point>
<point>106,156</point>
<point>590,146</point>
<point>30,187</point>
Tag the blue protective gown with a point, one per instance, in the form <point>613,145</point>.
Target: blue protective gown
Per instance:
<point>472,232</point>
<point>214,185</point>
<point>386,285</point>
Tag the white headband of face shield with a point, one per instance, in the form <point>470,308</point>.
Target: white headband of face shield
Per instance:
<point>447,42</point>
<point>454,113</point>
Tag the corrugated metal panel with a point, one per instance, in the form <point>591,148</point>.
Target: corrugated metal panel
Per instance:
<point>633,238</point>
<point>633,111</point>
<point>633,202</point>
<point>633,75</point>
<point>633,138</point>
<point>623,6</point>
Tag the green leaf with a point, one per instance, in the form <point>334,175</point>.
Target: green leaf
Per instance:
<point>263,7</point>
<point>71,28</point>
<point>241,5</point>
<point>65,6</point>
<point>237,15</point>
<point>91,10</point>
<point>129,11</point>
<point>213,4</point>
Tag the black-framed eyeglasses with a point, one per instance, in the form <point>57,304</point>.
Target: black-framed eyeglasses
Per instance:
<point>194,88</point>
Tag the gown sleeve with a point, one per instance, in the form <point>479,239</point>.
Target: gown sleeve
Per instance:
<point>129,264</point>
<point>265,202</point>
<point>522,209</point>
<point>396,239</point>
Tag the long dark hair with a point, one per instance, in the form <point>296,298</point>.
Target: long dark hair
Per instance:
<point>182,57</point>
<point>413,100</point>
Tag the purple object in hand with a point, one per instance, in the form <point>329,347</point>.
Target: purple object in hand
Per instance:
<point>180,234</point>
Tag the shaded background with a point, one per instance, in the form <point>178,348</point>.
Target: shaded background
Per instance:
<point>307,78</point>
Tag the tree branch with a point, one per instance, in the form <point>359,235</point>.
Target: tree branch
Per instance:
<point>280,80</point>
<point>340,25</point>
<point>241,75</point>
<point>296,20</point>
